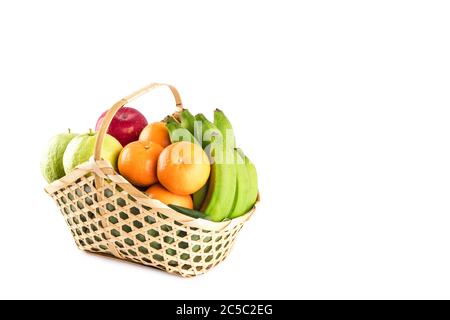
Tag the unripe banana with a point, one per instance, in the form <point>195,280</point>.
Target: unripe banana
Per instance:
<point>206,132</point>
<point>199,196</point>
<point>189,212</point>
<point>209,136</point>
<point>224,125</point>
<point>177,133</point>
<point>169,119</point>
<point>222,182</point>
<point>187,120</point>
<point>242,195</point>
<point>253,185</point>
<point>221,191</point>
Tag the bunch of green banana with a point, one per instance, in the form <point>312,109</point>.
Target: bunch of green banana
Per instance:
<point>246,190</point>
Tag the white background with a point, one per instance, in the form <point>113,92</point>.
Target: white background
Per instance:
<point>344,106</point>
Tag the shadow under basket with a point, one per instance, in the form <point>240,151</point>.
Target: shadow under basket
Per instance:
<point>108,215</point>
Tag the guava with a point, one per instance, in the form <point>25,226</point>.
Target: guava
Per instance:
<point>52,167</point>
<point>81,148</point>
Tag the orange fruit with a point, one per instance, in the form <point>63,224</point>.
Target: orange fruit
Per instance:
<point>156,132</point>
<point>138,161</point>
<point>183,168</point>
<point>157,191</point>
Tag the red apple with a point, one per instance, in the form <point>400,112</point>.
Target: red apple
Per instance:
<point>126,125</point>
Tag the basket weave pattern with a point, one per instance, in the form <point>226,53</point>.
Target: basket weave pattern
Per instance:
<point>108,215</point>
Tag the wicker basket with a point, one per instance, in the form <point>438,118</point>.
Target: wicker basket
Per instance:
<point>108,215</point>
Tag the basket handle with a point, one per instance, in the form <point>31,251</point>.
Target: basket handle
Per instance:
<point>119,104</point>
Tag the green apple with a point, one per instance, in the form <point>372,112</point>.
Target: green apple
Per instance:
<point>81,148</point>
<point>52,158</point>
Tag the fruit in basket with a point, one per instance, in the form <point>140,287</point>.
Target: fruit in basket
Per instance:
<point>160,193</point>
<point>126,125</point>
<point>183,239</point>
<point>81,148</point>
<point>183,168</point>
<point>156,132</point>
<point>52,167</point>
<point>137,162</point>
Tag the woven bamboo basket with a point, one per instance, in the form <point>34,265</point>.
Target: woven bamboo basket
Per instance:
<point>108,215</point>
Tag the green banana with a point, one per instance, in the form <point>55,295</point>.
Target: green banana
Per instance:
<point>222,181</point>
<point>206,132</point>
<point>187,120</point>
<point>177,133</point>
<point>189,212</point>
<point>221,190</point>
<point>224,125</point>
<point>200,196</point>
<point>169,119</point>
<point>253,185</point>
<point>242,196</point>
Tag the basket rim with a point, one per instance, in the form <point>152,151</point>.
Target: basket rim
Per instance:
<point>98,167</point>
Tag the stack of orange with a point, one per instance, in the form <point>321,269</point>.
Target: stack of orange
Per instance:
<point>170,173</point>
